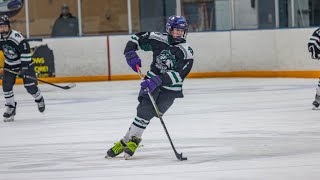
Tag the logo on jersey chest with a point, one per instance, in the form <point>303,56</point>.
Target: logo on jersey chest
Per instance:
<point>165,61</point>
<point>9,52</point>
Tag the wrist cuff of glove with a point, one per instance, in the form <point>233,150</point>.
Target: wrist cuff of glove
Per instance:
<point>157,80</point>
<point>130,55</point>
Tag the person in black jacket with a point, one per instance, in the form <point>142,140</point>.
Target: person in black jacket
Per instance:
<point>66,24</point>
<point>172,62</point>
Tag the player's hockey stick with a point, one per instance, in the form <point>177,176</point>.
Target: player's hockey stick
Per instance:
<point>69,86</point>
<point>178,155</point>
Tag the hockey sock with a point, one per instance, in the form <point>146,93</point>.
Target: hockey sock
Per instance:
<point>9,96</point>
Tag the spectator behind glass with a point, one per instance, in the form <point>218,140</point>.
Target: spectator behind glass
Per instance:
<point>66,24</point>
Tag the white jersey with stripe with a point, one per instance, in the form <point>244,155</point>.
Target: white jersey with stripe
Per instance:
<point>314,44</point>
<point>16,49</point>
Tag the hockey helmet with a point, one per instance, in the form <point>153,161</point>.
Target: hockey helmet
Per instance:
<point>178,22</point>
<point>4,20</point>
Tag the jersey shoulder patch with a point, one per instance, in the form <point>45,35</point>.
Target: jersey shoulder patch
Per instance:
<point>16,37</point>
<point>159,37</point>
<point>186,49</point>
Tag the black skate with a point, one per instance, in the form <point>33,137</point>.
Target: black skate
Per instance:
<point>117,149</point>
<point>132,145</point>
<point>316,102</point>
<point>41,105</point>
<point>10,113</point>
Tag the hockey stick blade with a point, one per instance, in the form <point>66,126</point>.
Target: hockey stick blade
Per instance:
<point>71,85</point>
<point>180,157</point>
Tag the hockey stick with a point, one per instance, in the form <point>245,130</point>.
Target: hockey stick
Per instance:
<point>69,86</point>
<point>179,156</point>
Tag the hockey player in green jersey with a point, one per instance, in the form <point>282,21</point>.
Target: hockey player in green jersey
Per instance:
<point>172,62</point>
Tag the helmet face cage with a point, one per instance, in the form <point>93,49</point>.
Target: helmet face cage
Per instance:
<point>4,20</point>
<point>178,22</point>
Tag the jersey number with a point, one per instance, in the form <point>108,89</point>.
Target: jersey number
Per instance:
<point>25,46</point>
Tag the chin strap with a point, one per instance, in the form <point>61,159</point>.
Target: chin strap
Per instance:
<point>5,35</point>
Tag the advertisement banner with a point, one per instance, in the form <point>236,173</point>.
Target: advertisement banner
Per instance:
<point>43,59</point>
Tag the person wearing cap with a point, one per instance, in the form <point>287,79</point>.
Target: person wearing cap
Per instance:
<point>66,24</point>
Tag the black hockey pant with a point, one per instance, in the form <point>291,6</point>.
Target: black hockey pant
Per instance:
<point>163,98</point>
<point>9,79</point>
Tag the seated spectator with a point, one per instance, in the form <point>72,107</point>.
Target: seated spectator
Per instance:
<point>66,24</point>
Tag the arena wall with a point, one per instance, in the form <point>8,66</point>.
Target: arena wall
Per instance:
<point>245,53</point>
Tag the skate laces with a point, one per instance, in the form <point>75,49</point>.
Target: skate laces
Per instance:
<point>40,103</point>
<point>132,146</point>
<point>10,109</point>
<point>118,147</point>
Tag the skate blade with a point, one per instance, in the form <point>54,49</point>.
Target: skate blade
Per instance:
<point>110,157</point>
<point>315,108</point>
<point>114,157</point>
<point>127,156</point>
<point>10,119</point>
<point>117,157</point>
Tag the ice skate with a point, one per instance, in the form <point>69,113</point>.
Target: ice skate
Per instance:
<point>9,113</point>
<point>117,149</point>
<point>41,105</point>
<point>316,102</point>
<point>132,145</point>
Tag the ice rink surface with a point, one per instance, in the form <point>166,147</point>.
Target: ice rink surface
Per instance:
<point>230,129</point>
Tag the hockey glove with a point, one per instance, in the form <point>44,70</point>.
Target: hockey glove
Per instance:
<point>151,84</point>
<point>23,71</point>
<point>133,59</point>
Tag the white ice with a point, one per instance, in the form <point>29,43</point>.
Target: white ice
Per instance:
<point>230,129</point>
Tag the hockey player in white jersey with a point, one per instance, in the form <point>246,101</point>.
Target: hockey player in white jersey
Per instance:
<point>172,62</point>
<point>17,55</point>
<point>314,49</point>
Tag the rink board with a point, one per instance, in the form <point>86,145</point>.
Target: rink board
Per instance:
<point>246,53</point>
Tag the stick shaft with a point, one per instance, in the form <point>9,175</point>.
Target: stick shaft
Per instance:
<point>36,79</point>
<point>179,156</point>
